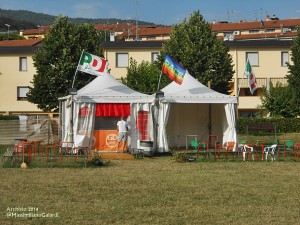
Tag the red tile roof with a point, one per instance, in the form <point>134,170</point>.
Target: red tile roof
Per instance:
<point>148,31</point>
<point>19,43</point>
<point>288,23</point>
<point>122,27</point>
<point>265,35</point>
<point>155,31</point>
<point>40,30</point>
<point>112,27</point>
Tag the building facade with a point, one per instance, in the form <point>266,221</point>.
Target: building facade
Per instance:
<point>267,44</point>
<point>268,59</point>
<point>16,74</point>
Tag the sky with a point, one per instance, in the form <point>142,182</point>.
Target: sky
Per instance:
<point>166,12</point>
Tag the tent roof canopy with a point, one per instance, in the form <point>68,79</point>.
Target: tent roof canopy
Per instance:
<point>106,89</point>
<point>192,91</point>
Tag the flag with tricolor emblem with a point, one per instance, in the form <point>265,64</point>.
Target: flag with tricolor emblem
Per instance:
<point>251,77</point>
<point>173,69</point>
<point>92,64</point>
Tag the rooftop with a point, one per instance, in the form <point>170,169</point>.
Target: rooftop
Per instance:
<point>255,25</point>
<point>14,43</point>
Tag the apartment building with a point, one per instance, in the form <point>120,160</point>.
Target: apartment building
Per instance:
<point>268,59</point>
<point>16,73</point>
<point>266,43</point>
<point>271,28</point>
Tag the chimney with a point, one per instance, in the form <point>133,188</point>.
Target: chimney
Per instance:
<point>267,18</point>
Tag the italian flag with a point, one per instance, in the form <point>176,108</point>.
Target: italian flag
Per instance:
<point>250,76</point>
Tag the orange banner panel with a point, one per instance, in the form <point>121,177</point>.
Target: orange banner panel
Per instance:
<point>106,140</point>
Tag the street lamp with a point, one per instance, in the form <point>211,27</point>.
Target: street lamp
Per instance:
<point>7,30</point>
<point>38,26</point>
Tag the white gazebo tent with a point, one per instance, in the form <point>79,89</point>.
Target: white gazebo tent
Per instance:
<point>103,89</point>
<point>192,110</point>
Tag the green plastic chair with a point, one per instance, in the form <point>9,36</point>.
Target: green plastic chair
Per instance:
<point>195,144</point>
<point>289,147</point>
<point>202,146</point>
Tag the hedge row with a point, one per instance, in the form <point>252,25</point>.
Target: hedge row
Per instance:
<point>9,117</point>
<point>283,125</point>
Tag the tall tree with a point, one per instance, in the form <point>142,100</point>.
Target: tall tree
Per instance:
<point>196,47</point>
<point>56,62</point>
<point>143,77</point>
<point>293,76</point>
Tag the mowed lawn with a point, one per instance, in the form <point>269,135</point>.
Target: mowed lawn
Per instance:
<point>156,190</point>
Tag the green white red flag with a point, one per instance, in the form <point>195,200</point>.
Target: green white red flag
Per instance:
<point>251,77</point>
<point>92,64</point>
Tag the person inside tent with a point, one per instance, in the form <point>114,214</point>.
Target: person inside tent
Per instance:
<point>122,127</point>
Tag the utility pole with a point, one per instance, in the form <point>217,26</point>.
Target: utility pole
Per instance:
<point>7,30</point>
<point>136,22</point>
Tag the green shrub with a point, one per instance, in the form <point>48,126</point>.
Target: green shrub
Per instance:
<point>96,159</point>
<point>9,117</point>
<point>181,157</point>
<point>283,125</point>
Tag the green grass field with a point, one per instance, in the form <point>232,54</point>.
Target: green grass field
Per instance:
<point>155,190</point>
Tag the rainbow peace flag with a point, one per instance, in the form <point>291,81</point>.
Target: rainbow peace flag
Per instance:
<point>173,69</point>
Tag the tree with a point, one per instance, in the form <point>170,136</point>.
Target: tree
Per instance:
<point>143,77</point>
<point>279,101</point>
<point>196,47</point>
<point>56,61</point>
<point>293,76</point>
<point>12,36</point>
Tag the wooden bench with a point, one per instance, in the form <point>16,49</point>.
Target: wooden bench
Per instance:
<point>262,127</point>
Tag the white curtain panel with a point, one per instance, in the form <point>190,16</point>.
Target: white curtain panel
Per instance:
<point>67,133</point>
<point>163,116</point>
<point>83,125</point>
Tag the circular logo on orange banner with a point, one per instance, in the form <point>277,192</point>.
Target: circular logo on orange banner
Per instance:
<point>111,140</point>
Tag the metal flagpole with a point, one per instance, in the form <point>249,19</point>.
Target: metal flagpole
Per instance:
<point>243,81</point>
<point>76,69</point>
<point>159,81</point>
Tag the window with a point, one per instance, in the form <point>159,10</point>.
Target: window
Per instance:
<point>250,114</point>
<point>253,31</point>
<point>23,64</point>
<point>284,58</point>
<point>122,59</point>
<point>270,30</point>
<point>151,38</point>
<point>154,56</point>
<point>253,58</point>
<point>22,93</point>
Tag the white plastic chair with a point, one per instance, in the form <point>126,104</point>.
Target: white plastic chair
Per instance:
<point>245,150</point>
<point>270,150</point>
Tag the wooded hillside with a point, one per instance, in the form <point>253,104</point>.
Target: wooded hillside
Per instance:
<point>23,19</point>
